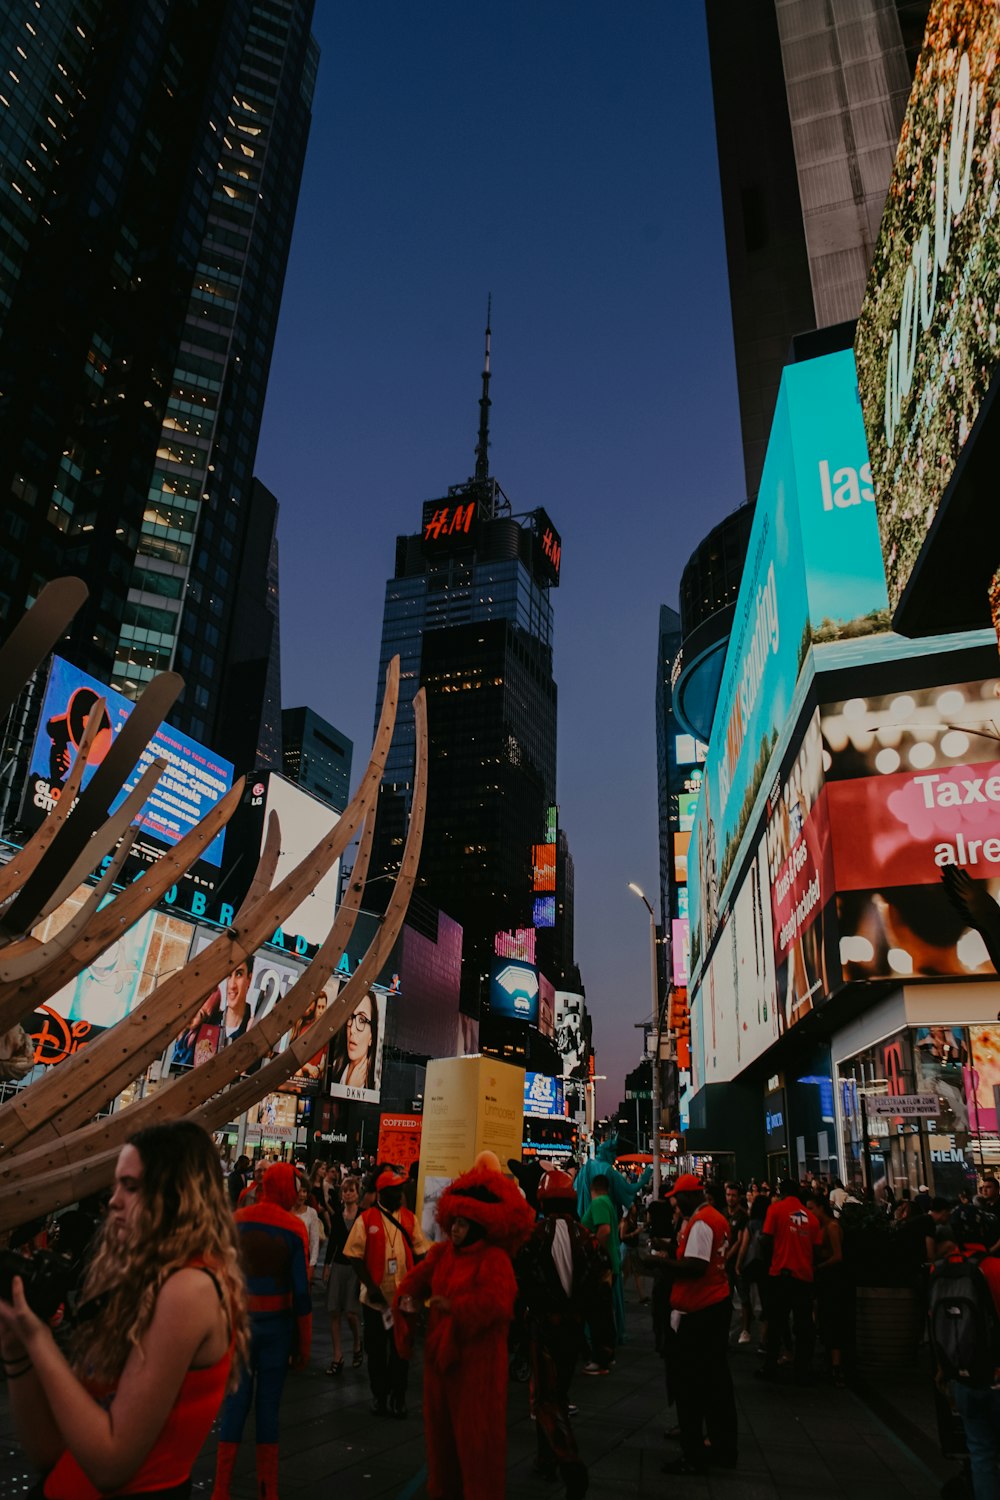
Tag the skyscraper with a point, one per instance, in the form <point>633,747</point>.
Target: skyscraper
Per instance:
<point>809,100</point>
<point>153,153</point>
<point>470,613</point>
<point>317,755</point>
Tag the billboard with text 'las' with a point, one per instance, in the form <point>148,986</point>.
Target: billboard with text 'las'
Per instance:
<point>813,575</point>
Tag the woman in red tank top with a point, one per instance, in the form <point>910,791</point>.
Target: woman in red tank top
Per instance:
<point>162,1323</point>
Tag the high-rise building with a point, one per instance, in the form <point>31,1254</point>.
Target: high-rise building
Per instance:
<point>469,611</point>
<point>809,100</point>
<point>152,154</point>
<point>317,755</point>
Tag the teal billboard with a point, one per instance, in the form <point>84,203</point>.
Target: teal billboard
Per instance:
<point>813,575</point>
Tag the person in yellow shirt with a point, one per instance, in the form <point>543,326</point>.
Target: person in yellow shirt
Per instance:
<point>385,1243</point>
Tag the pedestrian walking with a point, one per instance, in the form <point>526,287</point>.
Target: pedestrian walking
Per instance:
<point>601,1218</point>
<point>274,1251</point>
<point>384,1245</point>
<point>964,1325</point>
<point>834,1303</point>
<point>790,1235</point>
<point>559,1274</point>
<point>161,1328</point>
<point>467,1282</point>
<point>698,1341</point>
<point>341,1279</point>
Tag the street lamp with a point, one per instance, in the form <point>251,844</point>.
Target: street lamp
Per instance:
<point>638,891</point>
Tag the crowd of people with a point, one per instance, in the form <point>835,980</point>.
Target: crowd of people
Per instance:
<point>195,1294</point>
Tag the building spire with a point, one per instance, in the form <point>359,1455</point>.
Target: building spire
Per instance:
<point>482,447</point>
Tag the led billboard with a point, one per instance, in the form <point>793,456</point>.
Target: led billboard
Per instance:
<point>449,525</point>
<point>913,785</point>
<point>874,796</point>
<point>194,781</point>
<point>304,819</point>
<point>680,949</point>
<point>514,991</point>
<point>544,911</point>
<point>570,1039</point>
<point>813,576</point>
<point>543,859</point>
<point>543,1096</point>
<point>927,344</point>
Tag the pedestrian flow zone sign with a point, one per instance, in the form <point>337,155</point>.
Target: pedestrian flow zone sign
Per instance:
<point>904,1106</point>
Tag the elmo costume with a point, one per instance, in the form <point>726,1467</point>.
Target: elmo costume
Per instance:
<point>467,1282</point>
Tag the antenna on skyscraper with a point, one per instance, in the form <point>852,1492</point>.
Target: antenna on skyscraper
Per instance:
<point>482,447</point>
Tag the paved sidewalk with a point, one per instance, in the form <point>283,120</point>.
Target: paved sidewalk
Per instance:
<point>795,1442</point>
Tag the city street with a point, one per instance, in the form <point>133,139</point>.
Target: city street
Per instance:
<point>813,1441</point>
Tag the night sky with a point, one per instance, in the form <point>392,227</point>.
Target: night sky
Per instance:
<point>560,155</point>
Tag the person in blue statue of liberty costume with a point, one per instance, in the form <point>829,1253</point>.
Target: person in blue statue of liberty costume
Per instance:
<point>620,1193</point>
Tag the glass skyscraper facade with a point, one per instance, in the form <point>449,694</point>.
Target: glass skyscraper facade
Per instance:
<point>469,611</point>
<point>152,155</point>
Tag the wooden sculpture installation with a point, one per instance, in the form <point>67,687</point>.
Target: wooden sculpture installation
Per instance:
<point>52,1150</point>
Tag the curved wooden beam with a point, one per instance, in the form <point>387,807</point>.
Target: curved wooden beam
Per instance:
<point>16,871</point>
<point>105,838</point>
<point>37,633</point>
<point>43,1195</point>
<point>54,1182</point>
<point>180,1095</point>
<point>19,997</point>
<point>80,1086</point>
<point>20,964</point>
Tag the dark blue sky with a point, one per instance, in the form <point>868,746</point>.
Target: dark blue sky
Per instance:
<point>561,155</point>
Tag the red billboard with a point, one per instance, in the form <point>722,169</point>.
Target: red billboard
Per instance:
<point>913,785</point>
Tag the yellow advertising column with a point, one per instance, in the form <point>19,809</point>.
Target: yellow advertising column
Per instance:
<point>471,1104</point>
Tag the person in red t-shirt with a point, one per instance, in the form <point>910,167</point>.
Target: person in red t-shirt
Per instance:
<point>790,1235</point>
<point>700,1314</point>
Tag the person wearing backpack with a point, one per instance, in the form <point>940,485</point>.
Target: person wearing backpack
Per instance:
<point>964,1324</point>
<point>751,1270</point>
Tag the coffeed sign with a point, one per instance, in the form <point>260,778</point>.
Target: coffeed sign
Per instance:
<point>927,342</point>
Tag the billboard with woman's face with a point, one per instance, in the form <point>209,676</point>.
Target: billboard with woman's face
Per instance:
<point>356,1050</point>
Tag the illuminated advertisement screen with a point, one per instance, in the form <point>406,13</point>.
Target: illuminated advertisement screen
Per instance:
<point>449,525</point>
<point>543,1096</point>
<point>543,858</point>
<point>514,991</point>
<point>679,1022</point>
<point>549,546</point>
<point>813,576</point>
<point>544,911</point>
<point>195,779</point>
<point>551,824</point>
<point>680,949</point>
<point>682,843</point>
<point>913,784</point>
<point>687,806</point>
<point>874,796</point>
<point>570,1010</point>
<point>927,346</point>
<point>517,944</point>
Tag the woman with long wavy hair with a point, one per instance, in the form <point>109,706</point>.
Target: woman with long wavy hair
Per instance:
<point>161,1332</point>
<point>354,1059</point>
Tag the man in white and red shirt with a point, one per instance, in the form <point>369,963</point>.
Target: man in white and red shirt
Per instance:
<point>700,1314</point>
<point>790,1234</point>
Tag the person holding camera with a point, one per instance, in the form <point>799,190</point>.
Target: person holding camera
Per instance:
<point>161,1325</point>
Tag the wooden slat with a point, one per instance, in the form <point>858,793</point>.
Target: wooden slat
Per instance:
<point>75,1090</point>
<point>21,996</point>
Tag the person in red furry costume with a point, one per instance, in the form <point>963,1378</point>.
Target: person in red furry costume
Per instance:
<point>467,1282</point>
